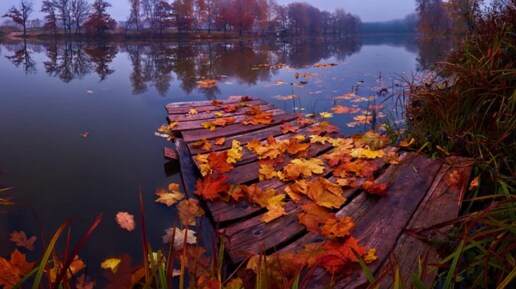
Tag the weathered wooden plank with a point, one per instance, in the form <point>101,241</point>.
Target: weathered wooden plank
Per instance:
<point>231,99</point>
<point>440,204</point>
<point>234,129</point>
<point>170,153</point>
<point>382,225</point>
<point>197,124</point>
<point>204,108</point>
<point>210,114</point>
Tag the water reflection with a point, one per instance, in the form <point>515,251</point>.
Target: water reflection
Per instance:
<point>157,64</point>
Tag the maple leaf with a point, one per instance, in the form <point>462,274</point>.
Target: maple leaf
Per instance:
<point>223,121</point>
<point>366,153</point>
<point>323,127</point>
<point>220,141</point>
<point>188,210</point>
<point>271,150</point>
<point>370,256</point>
<point>235,283</point>
<point>170,196</point>
<point>313,216</point>
<point>12,270</point>
<point>218,113</point>
<point>371,139</point>
<point>234,154</point>
<point>337,227</point>
<point>339,256</point>
<point>296,148</point>
<point>454,180</point>
<point>343,109</point>
<point>209,125</point>
<point>474,184</point>
<point>262,118</point>
<point>217,103</point>
<point>20,239</point>
<point>262,197</point>
<point>210,187</point>
<point>373,188</point>
<point>203,144</point>
<point>302,168</point>
<point>125,220</point>
<point>267,171</point>
<point>111,264</point>
<point>297,189</point>
<point>230,108</point>
<point>363,118</point>
<point>325,193</point>
<point>192,111</point>
<point>179,237</point>
<point>305,121</point>
<point>287,127</point>
<point>207,83</point>
<point>234,192</point>
<point>360,168</point>
<point>319,139</point>
<point>273,212</point>
<point>202,162</point>
<point>218,163</point>
<point>76,266</point>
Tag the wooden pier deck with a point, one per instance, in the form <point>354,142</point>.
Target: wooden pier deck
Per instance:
<point>421,192</point>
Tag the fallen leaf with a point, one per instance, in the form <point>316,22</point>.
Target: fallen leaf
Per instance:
<point>323,127</point>
<point>210,187</point>
<point>287,127</point>
<point>337,227</point>
<point>302,168</point>
<point>454,180</point>
<point>20,239</point>
<point>192,111</point>
<point>83,282</point>
<point>339,256</point>
<point>85,134</point>
<point>170,196</point>
<point>203,144</point>
<point>234,154</point>
<point>313,216</point>
<point>370,256</point>
<point>179,237</point>
<point>374,188</point>
<point>474,184</point>
<point>366,153</point>
<point>325,114</point>
<point>125,221</point>
<point>267,171</point>
<point>220,141</point>
<point>218,161</point>
<point>111,264</point>
<point>339,109</point>
<point>188,210</point>
<point>12,270</point>
<point>326,193</point>
<point>207,83</point>
<point>217,102</point>
<point>230,108</point>
<point>273,212</point>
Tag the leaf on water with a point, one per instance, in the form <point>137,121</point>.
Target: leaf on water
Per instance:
<point>325,114</point>
<point>84,134</point>
<point>179,237</point>
<point>111,264</point>
<point>188,210</point>
<point>125,221</point>
<point>323,127</point>
<point>20,239</point>
<point>324,65</point>
<point>12,270</point>
<point>171,196</point>
<point>207,83</point>
<point>339,109</point>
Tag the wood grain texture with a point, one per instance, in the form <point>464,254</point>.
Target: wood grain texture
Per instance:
<point>203,107</point>
<point>185,117</point>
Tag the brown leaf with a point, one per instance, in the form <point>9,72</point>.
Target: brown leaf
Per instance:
<point>20,239</point>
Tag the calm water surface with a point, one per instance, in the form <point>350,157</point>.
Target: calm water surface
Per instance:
<point>51,93</point>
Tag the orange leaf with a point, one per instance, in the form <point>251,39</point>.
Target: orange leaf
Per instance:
<point>188,210</point>
<point>374,188</point>
<point>361,168</point>
<point>474,184</point>
<point>305,121</point>
<point>287,127</point>
<point>337,227</point>
<point>234,192</point>
<point>324,127</point>
<point>344,109</point>
<point>11,271</point>
<point>339,256</point>
<point>207,83</point>
<point>267,171</point>
<point>203,144</point>
<point>223,121</point>
<point>313,216</point>
<point>230,108</point>
<point>273,212</point>
<point>220,141</point>
<point>296,148</point>
<point>218,162</point>
<point>302,168</point>
<point>260,196</point>
<point>210,187</point>
<point>217,103</point>
<point>325,193</point>
<point>20,239</point>
<point>454,180</point>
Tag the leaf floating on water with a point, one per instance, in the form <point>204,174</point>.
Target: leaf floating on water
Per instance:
<point>325,114</point>
<point>111,264</point>
<point>89,91</point>
<point>344,109</point>
<point>207,83</point>
<point>188,210</point>
<point>82,282</point>
<point>125,221</point>
<point>170,197</point>
<point>179,237</point>
<point>20,239</point>
<point>85,134</point>
<point>12,270</point>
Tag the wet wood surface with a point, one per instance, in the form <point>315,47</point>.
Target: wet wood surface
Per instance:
<point>417,198</point>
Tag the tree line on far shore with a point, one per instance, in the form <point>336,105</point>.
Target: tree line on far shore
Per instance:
<point>70,17</point>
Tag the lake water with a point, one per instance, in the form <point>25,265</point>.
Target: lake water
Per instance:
<point>51,93</point>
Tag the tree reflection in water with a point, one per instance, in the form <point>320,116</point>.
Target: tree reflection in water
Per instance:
<point>157,64</point>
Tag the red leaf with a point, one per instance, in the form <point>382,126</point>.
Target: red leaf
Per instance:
<point>210,187</point>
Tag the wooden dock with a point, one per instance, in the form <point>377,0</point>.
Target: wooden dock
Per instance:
<point>421,192</point>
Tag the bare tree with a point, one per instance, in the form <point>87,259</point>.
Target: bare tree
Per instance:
<point>79,13</point>
<point>49,8</point>
<point>134,17</point>
<point>21,14</point>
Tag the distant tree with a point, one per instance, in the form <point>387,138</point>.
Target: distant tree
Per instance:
<point>200,13</point>
<point>134,17</point>
<point>21,14</point>
<point>63,8</point>
<point>242,15</point>
<point>163,16</point>
<point>433,17</point>
<point>463,13</point>
<point>79,11</point>
<point>183,14</point>
<point>99,21</point>
<point>49,9</point>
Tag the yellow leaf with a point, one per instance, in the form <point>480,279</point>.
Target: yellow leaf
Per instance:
<point>171,196</point>
<point>325,193</point>
<point>202,163</point>
<point>111,263</point>
<point>325,114</point>
<point>193,111</point>
<point>267,171</point>
<point>218,113</point>
<point>235,152</point>
<point>203,144</point>
<point>370,256</point>
<point>303,168</point>
<point>208,125</point>
<point>319,139</point>
<point>273,212</point>
<point>366,153</point>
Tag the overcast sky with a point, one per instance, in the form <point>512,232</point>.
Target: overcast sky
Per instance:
<point>368,10</point>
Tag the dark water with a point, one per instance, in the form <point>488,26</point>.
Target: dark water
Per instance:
<point>52,92</point>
